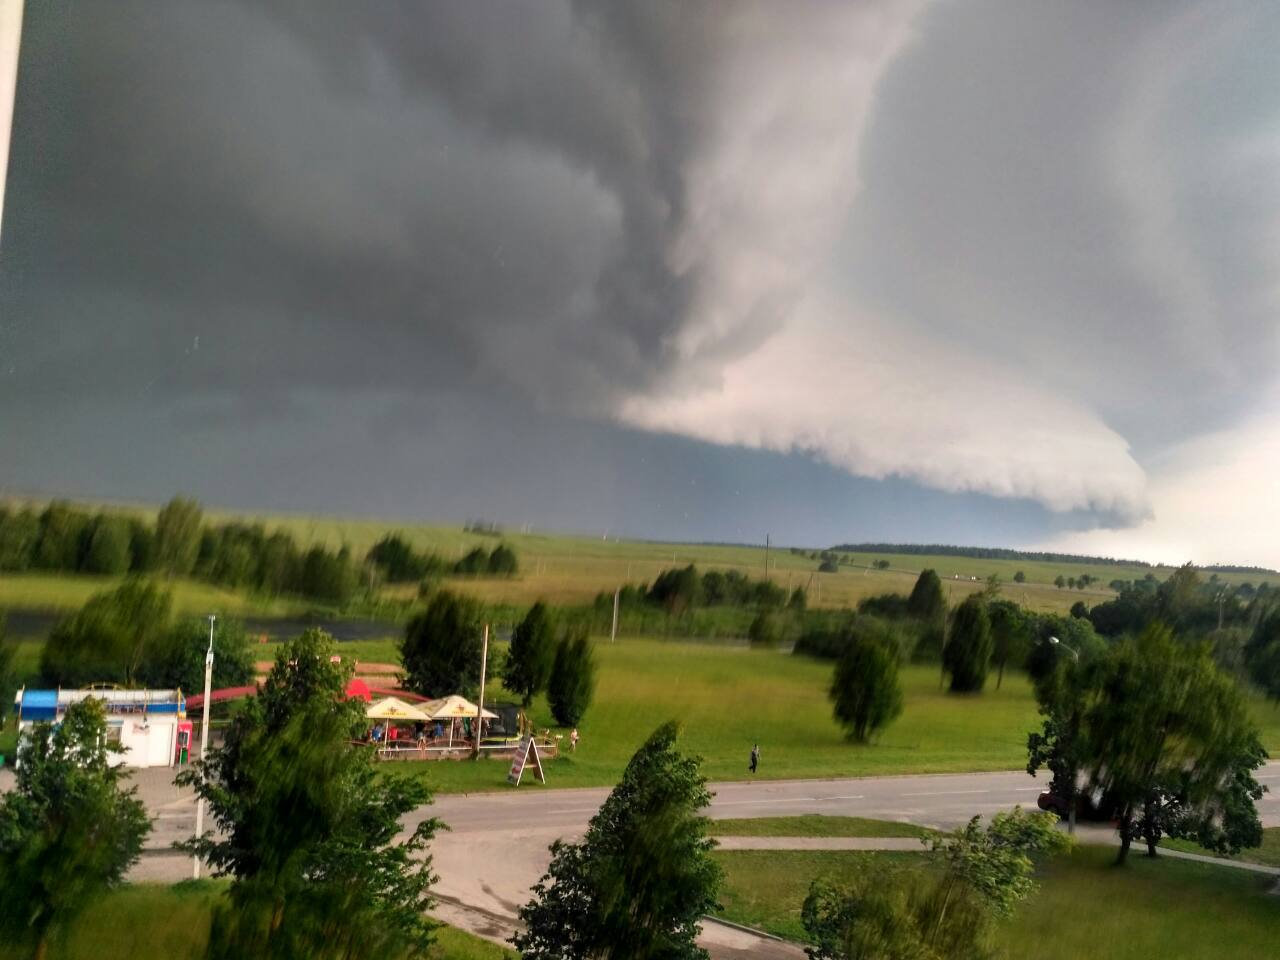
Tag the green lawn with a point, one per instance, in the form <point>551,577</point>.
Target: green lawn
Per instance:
<point>814,825</point>
<point>766,888</point>
<point>1267,854</point>
<point>1086,907</point>
<point>731,697</point>
<point>46,591</point>
<point>150,920</point>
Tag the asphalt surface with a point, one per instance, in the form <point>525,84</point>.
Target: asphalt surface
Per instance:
<point>497,844</point>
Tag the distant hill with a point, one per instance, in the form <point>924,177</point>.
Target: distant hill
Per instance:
<point>993,553</point>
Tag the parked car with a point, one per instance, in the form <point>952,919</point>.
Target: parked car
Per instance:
<point>1089,805</point>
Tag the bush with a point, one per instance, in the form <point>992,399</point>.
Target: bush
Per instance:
<point>865,690</point>
<point>768,629</point>
<point>967,654</point>
<point>573,679</point>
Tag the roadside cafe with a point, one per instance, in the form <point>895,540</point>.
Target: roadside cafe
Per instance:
<point>436,729</point>
<point>150,726</point>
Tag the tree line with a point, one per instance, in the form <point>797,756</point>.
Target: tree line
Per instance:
<point>982,553</point>
<point>64,538</point>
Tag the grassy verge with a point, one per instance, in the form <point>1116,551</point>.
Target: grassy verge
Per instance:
<point>173,922</point>
<point>766,888</point>
<point>1086,907</point>
<point>1268,854</point>
<point>814,825</point>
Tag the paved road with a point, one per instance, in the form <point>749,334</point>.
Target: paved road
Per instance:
<point>496,847</point>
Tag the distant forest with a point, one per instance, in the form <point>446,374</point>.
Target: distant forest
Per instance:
<point>989,553</point>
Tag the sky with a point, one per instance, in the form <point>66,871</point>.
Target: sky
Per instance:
<point>996,272</point>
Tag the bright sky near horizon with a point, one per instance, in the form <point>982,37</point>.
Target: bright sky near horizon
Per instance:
<point>999,272</point>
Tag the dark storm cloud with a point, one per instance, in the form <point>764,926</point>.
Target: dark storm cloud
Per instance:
<point>420,197</point>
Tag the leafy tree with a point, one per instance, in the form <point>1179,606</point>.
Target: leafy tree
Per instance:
<point>829,566</point>
<point>1079,610</point>
<point>176,659</point>
<point>178,536</point>
<point>397,560</point>
<point>1059,581</point>
<point>307,829</point>
<point>947,915</point>
<point>62,537</point>
<point>1009,635</point>
<point>1262,655</point>
<point>573,679</point>
<point>1057,746</point>
<point>108,549</point>
<point>1168,736</point>
<point>19,534</point>
<point>531,654</point>
<point>677,590</point>
<point>927,601</point>
<point>967,654</point>
<point>327,576</point>
<point>142,547</point>
<point>865,690</point>
<point>798,601</point>
<point>768,628</point>
<point>881,564</point>
<point>68,830</point>
<point>109,638</point>
<point>639,882</point>
<point>476,561</point>
<point>1019,577</point>
<point>443,646</point>
<point>502,561</point>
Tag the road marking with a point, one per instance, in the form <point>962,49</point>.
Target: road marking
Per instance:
<point>739,803</point>
<point>956,793</point>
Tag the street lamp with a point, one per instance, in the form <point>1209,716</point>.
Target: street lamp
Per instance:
<point>1058,643</point>
<point>204,745</point>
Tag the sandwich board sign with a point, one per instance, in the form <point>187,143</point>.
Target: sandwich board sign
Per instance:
<point>526,754</point>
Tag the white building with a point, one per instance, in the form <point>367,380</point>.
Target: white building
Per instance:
<point>150,725</point>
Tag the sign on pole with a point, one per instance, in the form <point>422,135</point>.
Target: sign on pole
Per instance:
<point>526,753</point>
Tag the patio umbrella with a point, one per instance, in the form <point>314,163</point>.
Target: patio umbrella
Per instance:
<point>454,708</point>
<point>393,708</point>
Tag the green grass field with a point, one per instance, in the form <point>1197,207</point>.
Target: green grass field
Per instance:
<point>1268,854</point>
<point>42,591</point>
<point>149,920</point>
<point>730,697</point>
<point>1086,907</point>
<point>814,825</point>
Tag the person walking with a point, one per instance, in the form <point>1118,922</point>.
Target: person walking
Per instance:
<point>573,741</point>
<point>755,757</point>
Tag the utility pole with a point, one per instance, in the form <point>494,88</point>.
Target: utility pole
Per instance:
<point>484,666</point>
<point>766,556</point>
<point>613,635</point>
<point>204,745</point>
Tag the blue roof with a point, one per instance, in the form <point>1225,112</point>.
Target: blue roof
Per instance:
<point>39,698</point>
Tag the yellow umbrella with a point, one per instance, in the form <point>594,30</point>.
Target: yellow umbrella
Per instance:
<point>393,708</point>
<point>454,708</point>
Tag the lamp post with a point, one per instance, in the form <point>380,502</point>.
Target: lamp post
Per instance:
<point>1058,643</point>
<point>204,744</point>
